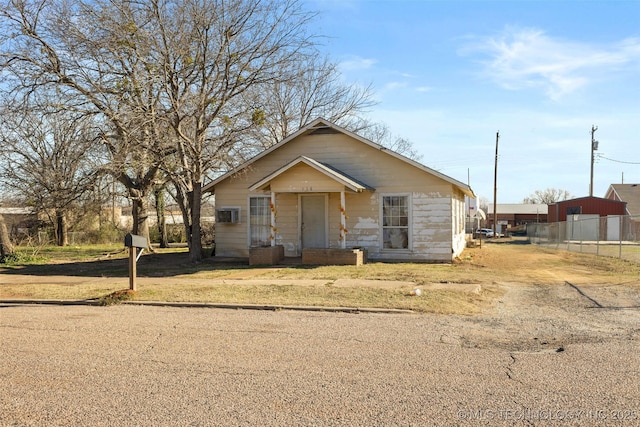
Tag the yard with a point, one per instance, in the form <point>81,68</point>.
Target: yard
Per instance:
<point>470,285</point>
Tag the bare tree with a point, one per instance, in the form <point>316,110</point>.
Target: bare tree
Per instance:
<point>48,159</point>
<point>380,133</point>
<point>144,66</point>
<point>97,55</point>
<point>314,88</point>
<point>317,89</point>
<point>548,196</point>
<point>174,83</point>
<point>211,54</point>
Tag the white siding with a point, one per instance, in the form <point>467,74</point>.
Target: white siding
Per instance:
<point>437,235</point>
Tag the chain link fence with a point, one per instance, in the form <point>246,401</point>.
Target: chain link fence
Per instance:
<point>613,236</point>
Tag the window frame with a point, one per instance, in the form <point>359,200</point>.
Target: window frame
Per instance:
<point>266,215</point>
<point>408,227</point>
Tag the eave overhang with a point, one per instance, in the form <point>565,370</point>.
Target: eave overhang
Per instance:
<point>327,170</point>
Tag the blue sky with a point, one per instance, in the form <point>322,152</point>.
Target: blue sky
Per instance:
<point>448,75</point>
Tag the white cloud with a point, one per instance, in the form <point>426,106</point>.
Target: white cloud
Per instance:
<point>357,63</point>
<point>424,89</point>
<point>395,85</point>
<point>529,58</point>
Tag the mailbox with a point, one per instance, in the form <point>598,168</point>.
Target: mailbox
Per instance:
<point>134,241</point>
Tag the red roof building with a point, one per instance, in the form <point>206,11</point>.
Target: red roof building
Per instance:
<point>557,212</point>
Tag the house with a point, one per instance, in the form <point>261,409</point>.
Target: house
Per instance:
<point>630,194</point>
<point>20,221</point>
<point>326,188</point>
<point>513,217</point>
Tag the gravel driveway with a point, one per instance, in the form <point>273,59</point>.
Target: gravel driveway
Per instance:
<point>544,356</point>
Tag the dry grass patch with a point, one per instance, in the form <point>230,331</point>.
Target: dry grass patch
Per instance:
<point>169,277</point>
<point>56,291</point>
<point>436,301</point>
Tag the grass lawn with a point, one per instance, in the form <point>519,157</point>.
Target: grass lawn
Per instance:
<point>94,272</point>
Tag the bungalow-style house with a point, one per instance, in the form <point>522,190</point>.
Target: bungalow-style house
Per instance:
<point>326,188</point>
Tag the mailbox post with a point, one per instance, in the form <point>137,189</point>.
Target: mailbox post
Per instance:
<point>133,242</point>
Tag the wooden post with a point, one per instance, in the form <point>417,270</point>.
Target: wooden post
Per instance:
<point>132,268</point>
<point>343,221</point>
<point>273,218</point>
<point>495,191</point>
<point>133,243</point>
<point>594,146</point>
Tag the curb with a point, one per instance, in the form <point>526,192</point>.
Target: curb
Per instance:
<point>354,310</point>
<point>48,302</point>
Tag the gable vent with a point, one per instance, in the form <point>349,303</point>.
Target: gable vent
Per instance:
<point>324,130</point>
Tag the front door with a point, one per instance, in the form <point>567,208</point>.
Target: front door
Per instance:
<point>313,222</point>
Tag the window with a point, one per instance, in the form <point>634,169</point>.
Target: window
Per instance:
<point>395,222</point>
<point>259,221</point>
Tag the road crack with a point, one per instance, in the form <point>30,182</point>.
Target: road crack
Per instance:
<point>510,373</point>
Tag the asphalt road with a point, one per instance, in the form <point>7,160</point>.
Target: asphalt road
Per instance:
<point>165,366</point>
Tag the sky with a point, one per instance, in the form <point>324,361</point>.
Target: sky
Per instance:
<point>450,75</point>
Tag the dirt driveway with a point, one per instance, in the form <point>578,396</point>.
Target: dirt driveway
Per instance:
<point>550,317</point>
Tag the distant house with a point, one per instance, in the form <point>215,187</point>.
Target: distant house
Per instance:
<point>628,193</point>
<point>515,216</point>
<point>19,220</point>
<point>326,187</point>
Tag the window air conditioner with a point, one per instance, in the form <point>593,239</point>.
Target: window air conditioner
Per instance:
<point>228,215</point>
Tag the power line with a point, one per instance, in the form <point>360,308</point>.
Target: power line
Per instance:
<point>600,156</point>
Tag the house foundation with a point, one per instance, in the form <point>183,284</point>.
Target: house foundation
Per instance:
<point>321,256</point>
<point>269,255</point>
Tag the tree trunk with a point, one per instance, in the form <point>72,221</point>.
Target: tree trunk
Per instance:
<point>162,223</point>
<point>62,232</point>
<point>183,203</point>
<point>6,247</point>
<point>140,213</point>
<point>195,202</point>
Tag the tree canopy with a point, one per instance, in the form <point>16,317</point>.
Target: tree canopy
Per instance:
<point>548,196</point>
<point>176,90</point>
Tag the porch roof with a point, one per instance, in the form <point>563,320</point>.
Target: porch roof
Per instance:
<point>328,170</point>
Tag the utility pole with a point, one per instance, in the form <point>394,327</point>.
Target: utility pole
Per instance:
<point>495,190</point>
<point>594,147</point>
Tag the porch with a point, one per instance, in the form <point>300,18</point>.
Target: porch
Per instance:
<point>303,214</point>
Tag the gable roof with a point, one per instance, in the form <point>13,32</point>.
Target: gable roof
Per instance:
<point>329,171</point>
<point>629,193</point>
<point>324,126</point>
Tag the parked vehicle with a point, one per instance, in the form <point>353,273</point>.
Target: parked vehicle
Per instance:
<point>487,232</point>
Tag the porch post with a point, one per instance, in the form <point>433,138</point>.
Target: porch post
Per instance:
<point>343,221</point>
<point>273,219</point>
